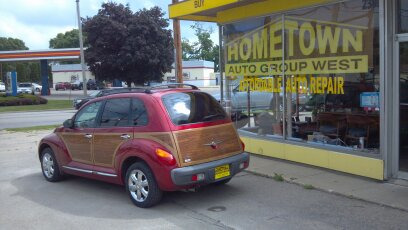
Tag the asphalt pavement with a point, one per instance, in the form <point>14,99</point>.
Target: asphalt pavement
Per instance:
<point>249,201</point>
<point>37,118</point>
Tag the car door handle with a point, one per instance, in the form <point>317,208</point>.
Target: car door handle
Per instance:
<point>89,136</point>
<point>125,136</point>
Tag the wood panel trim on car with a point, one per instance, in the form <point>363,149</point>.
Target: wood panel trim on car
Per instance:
<point>194,145</point>
<point>75,155</point>
<point>164,138</point>
<point>104,150</point>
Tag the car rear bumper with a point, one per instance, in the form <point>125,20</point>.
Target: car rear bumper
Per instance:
<point>183,176</point>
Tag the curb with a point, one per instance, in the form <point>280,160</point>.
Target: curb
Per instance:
<point>285,179</point>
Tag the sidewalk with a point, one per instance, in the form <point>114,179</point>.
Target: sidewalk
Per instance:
<point>392,194</point>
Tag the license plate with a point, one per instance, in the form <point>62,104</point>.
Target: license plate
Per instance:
<point>222,171</point>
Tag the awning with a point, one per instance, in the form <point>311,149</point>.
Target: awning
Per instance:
<point>223,11</point>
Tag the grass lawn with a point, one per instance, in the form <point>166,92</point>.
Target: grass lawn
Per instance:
<point>51,105</point>
<point>35,128</point>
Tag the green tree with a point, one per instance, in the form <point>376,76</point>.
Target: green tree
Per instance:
<point>25,71</point>
<point>215,56</point>
<point>69,39</point>
<point>7,44</point>
<point>132,47</point>
<point>204,48</point>
<point>187,49</point>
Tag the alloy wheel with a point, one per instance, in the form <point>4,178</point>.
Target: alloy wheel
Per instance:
<point>138,185</point>
<point>48,165</point>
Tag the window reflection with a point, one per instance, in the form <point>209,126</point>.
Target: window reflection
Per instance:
<point>325,91</point>
<point>402,16</point>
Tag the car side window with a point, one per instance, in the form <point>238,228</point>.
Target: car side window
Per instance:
<point>86,117</point>
<point>116,113</point>
<point>139,113</point>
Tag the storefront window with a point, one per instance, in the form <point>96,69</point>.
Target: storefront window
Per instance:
<point>402,16</point>
<point>318,82</point>
<point>254,110</point>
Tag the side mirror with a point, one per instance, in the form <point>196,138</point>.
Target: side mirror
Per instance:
<point>68,124</point>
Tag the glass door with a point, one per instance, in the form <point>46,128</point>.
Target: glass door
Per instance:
<point>403,107</point>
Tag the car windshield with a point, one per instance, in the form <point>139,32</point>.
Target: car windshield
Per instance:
<point>192,107</point>
<point>95,93</point>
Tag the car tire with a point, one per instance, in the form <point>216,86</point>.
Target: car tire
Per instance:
<point>222,182</point>
<point>37,90</point>
<point>49,166</point>
<point>138,178</point>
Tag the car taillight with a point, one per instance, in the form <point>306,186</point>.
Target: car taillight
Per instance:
<point>244,165</point>
<point>242,144</point>
<point>198,177</point>
<point>165,157</point>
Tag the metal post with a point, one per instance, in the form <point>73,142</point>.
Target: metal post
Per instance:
<point>177,46</point>
<point>44,77</point>
<point>81,46</point>
<point>249,105</point>
<point>284,79</point>
<point>220,63</point>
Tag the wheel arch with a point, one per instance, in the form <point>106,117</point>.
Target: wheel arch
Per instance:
<point>127,163</point>
<point>41,148</point>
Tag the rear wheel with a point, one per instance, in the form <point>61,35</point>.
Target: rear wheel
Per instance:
<point>142,186</point>
<point>49,166</point>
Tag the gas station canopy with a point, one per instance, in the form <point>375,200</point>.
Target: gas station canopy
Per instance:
<point>31,55</point>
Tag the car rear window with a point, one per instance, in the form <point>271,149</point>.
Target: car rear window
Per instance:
<point>192,107</point>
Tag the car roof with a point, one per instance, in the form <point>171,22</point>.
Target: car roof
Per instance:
<point>156,91</point>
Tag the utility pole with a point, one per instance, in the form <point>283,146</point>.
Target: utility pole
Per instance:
<point>177,48</point>
<point>81,45</point>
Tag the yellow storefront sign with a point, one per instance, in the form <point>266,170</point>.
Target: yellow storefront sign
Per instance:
<point>327,65</point>
<point>296,84</point>
<point>312,47</point>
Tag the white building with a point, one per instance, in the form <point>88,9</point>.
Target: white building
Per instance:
<point>197,72</point>
<point>69,73</point>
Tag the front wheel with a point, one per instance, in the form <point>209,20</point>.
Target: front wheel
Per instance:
<point>142,186</point>
<point>49,166</point>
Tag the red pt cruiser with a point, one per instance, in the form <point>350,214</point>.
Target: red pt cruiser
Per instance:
<point>150,140</point>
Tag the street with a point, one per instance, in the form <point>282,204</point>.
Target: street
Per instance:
<point>247,202</point>
<point>28,119</point>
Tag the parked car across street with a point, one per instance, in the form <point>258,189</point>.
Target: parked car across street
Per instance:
<point>78,102</point>
<point>25,87</point>
<point>62,86</point>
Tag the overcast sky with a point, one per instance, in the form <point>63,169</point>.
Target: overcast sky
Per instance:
<point>37,21</point>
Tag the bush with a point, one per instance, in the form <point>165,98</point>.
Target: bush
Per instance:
<point>21,99</point>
